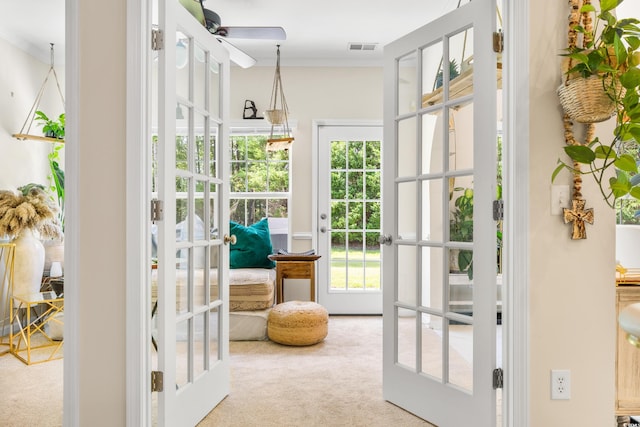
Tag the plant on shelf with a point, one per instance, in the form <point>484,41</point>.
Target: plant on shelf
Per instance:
<point>50,127</point>
<point>610,56</point>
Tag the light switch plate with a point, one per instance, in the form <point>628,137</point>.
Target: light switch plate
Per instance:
<point>560,197</point>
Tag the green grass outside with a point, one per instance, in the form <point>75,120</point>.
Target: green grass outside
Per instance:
<point>362,273</point>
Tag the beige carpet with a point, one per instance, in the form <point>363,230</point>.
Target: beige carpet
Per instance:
<point>335,383</point>
<point>30,395</point>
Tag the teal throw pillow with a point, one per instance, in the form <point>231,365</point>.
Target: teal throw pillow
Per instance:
<point>253,245</point>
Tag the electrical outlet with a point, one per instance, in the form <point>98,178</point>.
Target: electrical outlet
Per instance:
<point>560,384</point>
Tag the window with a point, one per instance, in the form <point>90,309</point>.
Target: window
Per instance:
<point>627,208</point>
<point>260,179</point>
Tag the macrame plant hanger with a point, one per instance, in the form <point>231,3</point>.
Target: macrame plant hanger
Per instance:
<point>577,214</point>
<point>280,137</point>
<point>26,127</point>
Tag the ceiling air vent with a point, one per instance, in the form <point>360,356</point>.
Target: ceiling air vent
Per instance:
<point>362,46</point>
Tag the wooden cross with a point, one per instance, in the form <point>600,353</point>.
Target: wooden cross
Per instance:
<point>579,215</point>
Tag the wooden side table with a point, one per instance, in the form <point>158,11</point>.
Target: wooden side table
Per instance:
<point>295,267</point>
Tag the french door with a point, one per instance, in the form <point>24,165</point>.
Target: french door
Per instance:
<point>193,353</point>
<point>350,217</point>
<point>439,252</point>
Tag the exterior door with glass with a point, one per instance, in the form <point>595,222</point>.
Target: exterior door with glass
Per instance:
<point>439,256</point>
<point>193,352</point>
<point>350,208</point>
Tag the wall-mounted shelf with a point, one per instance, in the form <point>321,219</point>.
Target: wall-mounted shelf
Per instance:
<point>23,136</point>
<point>460,86</point>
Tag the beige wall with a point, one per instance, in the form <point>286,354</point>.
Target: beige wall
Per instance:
<point>572,282</point>
<point>100,228</point>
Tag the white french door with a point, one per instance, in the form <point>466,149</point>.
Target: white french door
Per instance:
<point>349,218</point>
<point>439,256</point>
<point>193,351</point>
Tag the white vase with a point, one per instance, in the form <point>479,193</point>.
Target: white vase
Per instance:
<point>28,264</point>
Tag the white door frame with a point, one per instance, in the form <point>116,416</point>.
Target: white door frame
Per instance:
<point>516,122</point>
<point>516,195</point>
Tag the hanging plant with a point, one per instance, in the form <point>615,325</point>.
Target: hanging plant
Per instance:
<point>610,55</point>
<point>51,128</point>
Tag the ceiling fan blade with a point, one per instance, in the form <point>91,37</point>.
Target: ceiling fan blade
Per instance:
<point>267,33</point>
<point>236,55</point>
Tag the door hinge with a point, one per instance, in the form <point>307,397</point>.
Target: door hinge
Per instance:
<point>157,40</point>
<point>157,381</point>
<point>497,378</point>
<point>157,210</point>
<point>498,210</point>
<point>498,41</point>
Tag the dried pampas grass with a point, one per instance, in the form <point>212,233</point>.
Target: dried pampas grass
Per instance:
<point>31,209</point>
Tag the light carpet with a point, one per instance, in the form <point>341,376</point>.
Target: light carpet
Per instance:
<point>334,383</point>
<point>337,382</point>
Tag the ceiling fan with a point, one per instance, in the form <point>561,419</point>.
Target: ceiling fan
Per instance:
<point>212,22</point>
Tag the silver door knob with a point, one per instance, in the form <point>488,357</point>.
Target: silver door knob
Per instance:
<point>229,239</point>
<point>385,239</point>
<point>323,216</point>
<point>323,229</point>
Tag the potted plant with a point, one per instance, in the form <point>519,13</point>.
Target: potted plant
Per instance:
<point>21,214</point>
<point>610,57</point>
<point>50,127</point>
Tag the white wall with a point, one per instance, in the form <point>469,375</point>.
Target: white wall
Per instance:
<point>21,77</point>
<point>572,284</point>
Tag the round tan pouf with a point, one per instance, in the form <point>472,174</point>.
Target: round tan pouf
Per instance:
<point>298,323</point>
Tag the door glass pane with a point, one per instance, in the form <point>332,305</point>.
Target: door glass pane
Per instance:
<point>213,150</point>
<point>214,336</point>
<point>182,353</point>
<point>182,65</point>
<point>338,184</point>
<point>431,346</point>
<point>460,64</point>
<point>460,137</point>
<point>406,210</point>
<point>407,83</point>
<point>431,212</point>
<point>432,144</point>
<point>199,341</point>
<point>214,87</point>
<point>338,155</point>
<point>182,209</point>
<point>200,74</point>
<point>373,262</point>
<point>461,210</point>
<point>213,212</point>
<point>406,338</point>
<point>432,278</point>
<point>406,279</point>
<point>199,278</point>
<point>199,149</point>
<point>461,355</point>
<point>182,281</point>
<point>182,140</point>
<point>461,282</point>
<point>407,147</point>
<point>432,75</point>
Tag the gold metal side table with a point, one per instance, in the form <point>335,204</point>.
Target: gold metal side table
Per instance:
<point>29,341</point>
